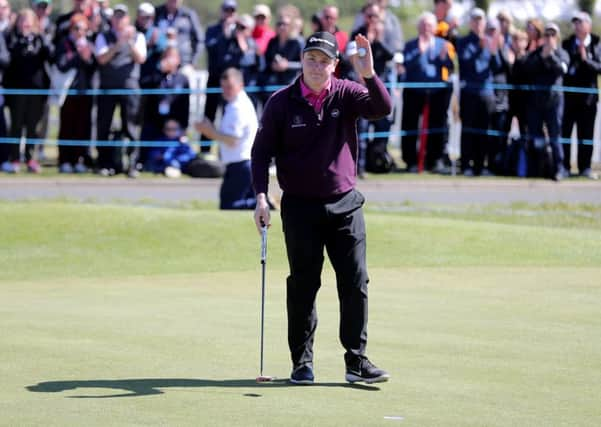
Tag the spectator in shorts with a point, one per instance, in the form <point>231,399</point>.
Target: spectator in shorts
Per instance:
<point>236,134</point>
<point>584,49</point>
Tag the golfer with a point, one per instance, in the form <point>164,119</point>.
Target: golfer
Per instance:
<point>310,129</point>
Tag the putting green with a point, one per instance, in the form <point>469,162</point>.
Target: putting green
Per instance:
<point>479,323</point>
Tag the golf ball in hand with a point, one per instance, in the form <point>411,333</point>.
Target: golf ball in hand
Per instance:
<point>362,51</point>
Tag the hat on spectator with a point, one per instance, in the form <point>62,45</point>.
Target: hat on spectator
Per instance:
<point>262,9</point>
<point>120,9</point>
<point>246,21</point>
<point>323,41</point>
<point>504,15</point>
<point>581,16</point>
<point>477,13</point>
<point>36,2</point>
<point>552,26</point>
<point>229,4</point>
<point>493,24</point>
<point>146,9</point>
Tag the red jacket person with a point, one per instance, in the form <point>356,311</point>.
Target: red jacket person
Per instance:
<point>309,128</point>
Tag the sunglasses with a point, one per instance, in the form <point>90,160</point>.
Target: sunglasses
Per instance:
<point>550,34</point>
<point>283,24</point>
<point>229,9</point>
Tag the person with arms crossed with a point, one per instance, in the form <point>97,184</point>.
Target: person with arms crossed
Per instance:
<point>310,129</point>
<point>236,133</point>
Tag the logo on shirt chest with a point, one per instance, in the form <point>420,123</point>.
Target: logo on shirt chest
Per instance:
<point>297,122</point>
<point>335,113</point>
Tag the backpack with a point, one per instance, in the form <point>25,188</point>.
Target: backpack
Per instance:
<point>202,168</point>
<point>378,159</point>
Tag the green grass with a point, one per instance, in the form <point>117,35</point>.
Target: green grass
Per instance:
<point>136,315</point>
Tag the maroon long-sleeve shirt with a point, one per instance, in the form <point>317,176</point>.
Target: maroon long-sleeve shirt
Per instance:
<point>315,153</point>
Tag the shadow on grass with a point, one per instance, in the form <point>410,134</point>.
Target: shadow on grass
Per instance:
<point>151,386</point>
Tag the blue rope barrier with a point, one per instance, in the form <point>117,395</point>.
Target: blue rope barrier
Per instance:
<point>363,135</point>
<point>268,89</point>
<point>109,143</point>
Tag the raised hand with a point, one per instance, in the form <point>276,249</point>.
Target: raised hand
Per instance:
<point>363,60</point>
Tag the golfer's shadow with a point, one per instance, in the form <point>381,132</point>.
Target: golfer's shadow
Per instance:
<point>150,386</point>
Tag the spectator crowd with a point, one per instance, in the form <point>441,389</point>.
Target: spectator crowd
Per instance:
<point>507,78</point>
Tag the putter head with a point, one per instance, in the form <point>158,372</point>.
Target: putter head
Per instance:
<point>264,379</point>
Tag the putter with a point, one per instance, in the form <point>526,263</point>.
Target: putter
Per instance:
<point>263,378</point>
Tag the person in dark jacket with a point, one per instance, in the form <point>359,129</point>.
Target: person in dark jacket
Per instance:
<point>282,56</point>
<point>28,51</point>
<point>584,49</point>
<point>76,53</point>
<point>310,128</point>
<point>497,141</point>
<point>5,149</point>
<point>518,98</point>
<point>169,106</point>
<point>62,26</point>
<point>479,60</point>
<point>374,30</point>
<point>427,59</point>
<point>219,40</point>
<point>119,53</point>
<point>546,67</point>
<point>186,24</point>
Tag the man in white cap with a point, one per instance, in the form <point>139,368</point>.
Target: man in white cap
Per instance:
<point>156,40</point>
<point>584,49</point>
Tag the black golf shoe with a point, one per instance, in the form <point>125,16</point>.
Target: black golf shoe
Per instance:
<point>361,369</point>
<point>302,375</point>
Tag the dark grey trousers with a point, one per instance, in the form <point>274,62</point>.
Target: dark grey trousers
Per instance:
<point>339,227</point>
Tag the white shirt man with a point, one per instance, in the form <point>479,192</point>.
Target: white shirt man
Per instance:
<point>236,135</point>
<point>240,121</point>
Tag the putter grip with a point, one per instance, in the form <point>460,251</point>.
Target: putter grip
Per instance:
<point>263,245</point>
